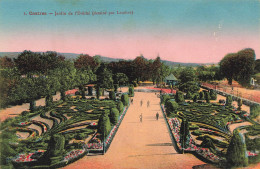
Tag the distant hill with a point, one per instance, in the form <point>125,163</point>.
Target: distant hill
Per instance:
<point>106,59</point>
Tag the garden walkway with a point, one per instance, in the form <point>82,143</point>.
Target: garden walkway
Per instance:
<point>140,145</point>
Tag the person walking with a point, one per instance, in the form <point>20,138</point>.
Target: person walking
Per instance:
<point>157,116</point>
<point>148,103</point>
<point>141,102</point>
<point>141,117</point>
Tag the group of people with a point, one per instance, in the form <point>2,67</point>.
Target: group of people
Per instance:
<point>148,105</point>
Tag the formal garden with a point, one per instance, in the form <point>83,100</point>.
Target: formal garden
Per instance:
<point>202,128</point>
<point>57,135</point>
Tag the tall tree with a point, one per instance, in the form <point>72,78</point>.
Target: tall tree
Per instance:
<point>104,77</point>
<point>245,65</point>
<point>86,61</point>
<point>188,81</point>
<point>6,62</point>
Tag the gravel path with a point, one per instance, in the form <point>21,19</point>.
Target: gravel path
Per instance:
<point>145,144</point>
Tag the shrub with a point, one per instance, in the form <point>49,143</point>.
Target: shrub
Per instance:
<point>113,116</point>
<point>104,125</point>
<point>236,152</point>
<point>120,107</point>
<point>125,99</point>
<point>55,149</point>
<point>164,97</point>
<point>112,95</point>
<point>171,106</point>
<point>228,100</point>
<point>179,97</point>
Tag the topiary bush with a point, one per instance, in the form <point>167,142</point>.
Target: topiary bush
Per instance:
<point>164,97</point>
<point>171,106</point>
<point>236,152</point>
<point>120,106</point>
<point>55,150</point>
<point>113,116</point>
<point>104,125</point>
<point>125,99</point>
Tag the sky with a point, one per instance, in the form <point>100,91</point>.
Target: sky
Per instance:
<point>198,31</point>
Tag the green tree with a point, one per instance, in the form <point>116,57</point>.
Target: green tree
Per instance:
<point>85,62</point>
<point>104,77</point>
<point>227,67</point>
<point>120,79</point>
<point>238,66</point>
<point>236,152</point>
<point>188,81</point>
<point>245,63</point>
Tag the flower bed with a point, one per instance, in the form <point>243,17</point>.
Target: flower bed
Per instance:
<point>74,154</point>
<point>26,157</point>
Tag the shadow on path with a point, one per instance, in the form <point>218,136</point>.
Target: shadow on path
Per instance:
<point>160,144</point>
<point>152,155</point>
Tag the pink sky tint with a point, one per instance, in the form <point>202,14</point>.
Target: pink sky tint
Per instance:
<point>193,48</point>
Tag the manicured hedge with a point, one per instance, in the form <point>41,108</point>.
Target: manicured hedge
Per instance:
<point>113,116</point>
<point>125,99</point>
